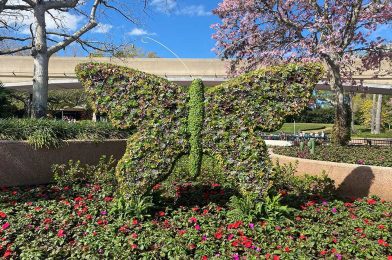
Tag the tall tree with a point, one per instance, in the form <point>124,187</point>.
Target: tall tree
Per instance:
<point>42,42</point>
<point>377,128</point>
<point>337,32</point>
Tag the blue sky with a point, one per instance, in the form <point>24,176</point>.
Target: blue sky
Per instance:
<point>182,25</point>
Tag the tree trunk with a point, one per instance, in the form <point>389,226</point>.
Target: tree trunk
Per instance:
<point>378,115</point>
<point>341,132</point>
<point>373,120</point>
<point>352,111</point>
<point>41,64</point>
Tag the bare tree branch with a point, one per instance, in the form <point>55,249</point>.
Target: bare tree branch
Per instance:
<point>56,4</point>
<point>7,52</point>
<point>87,27</point>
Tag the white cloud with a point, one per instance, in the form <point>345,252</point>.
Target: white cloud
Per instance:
<point>164,6</point>
<point>64,21</point>
<point>102,28</point>
<point>140,32</point>
<point>194,10</point>
<point>171,7</point>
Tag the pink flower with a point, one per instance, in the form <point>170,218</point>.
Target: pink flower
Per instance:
<point>5,225</point>
<point>60,233</point>
<point>197,227</point>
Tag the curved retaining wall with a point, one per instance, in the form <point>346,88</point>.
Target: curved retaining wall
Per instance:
<point>20,164</point>
<point>351,180</point>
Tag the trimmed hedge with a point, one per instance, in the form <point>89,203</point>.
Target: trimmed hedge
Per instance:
<point>365,155</point>
<point>48,133</point>
<point>235,112</point>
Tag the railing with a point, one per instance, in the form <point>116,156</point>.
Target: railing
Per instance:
<point>371,141</point>
<point>296,139</point>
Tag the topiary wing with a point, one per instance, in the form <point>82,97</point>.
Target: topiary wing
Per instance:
<point>237,110</point>
<point>154,106</point>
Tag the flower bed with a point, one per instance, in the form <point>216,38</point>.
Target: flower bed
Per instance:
<point>84,220</point>
<point>365,155</point>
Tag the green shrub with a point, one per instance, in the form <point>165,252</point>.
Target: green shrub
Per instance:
<point>365,155</point>
<point>235,112</point>
<point>75,172</point>
<point>249,209</point>
<point>47,133</point>
<point>299,188</point>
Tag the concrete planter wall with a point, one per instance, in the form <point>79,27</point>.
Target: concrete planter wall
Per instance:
<point>20,164</point>
<point>351,180</point>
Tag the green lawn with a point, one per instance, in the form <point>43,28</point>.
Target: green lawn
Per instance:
<point>289,127</point>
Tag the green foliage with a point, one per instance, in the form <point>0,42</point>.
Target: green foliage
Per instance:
<point>367,155</point>
<point>249,208</point>
<point>7,107</point>
<point>44,133</point>
<point>298,189</point>
<point>43,138</point>
<point>75,172</point>
<point>234,112</point>
<point>195,125</point>
<point>136,207</point>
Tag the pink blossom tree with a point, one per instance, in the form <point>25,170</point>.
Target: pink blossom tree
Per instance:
<point>339,33</point>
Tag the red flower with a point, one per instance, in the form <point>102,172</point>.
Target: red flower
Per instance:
<point>133,246</point>
<point>60,233</point>
<point>192,220</point>
<point>47,221</point>
<point>2,214</point>
<point>323,252</point>
<point>287,249</point>
<point>381,242</point>
<point>102,222</point>
<point>8,253</point>
<point>234,225</point>
<point>371,201</point>
<point>108,199</point>
<point>235,243</point>
<point>134,221</point>
<point>161,213</point>
<point>389,257</point>
<point>218,235</point>
<point>134,235</point>
<point>204,257</point>
<point>181,232</point>
<point>157,186</point>
<point>381,226</point>
<point>276,257</point>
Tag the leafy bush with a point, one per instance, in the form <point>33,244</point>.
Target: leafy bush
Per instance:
<point>297,189</point>
<point>234,112</point>
<point>75,172</point>
<point>42,133</point>
<point>251,209</point>
<point>365,155</point>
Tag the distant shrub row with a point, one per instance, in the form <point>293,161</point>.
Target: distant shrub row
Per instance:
<point>366,155</point>
<point>46,133</point>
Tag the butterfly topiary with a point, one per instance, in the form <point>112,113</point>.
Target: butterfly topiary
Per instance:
<point>171,121</point>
